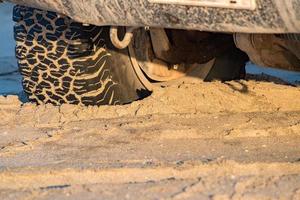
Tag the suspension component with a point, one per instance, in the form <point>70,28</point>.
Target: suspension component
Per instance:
<point>276,51</point>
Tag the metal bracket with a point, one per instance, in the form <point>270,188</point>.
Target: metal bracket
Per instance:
<point>160,42</point>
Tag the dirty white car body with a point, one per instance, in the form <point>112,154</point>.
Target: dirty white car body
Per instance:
<point>252,16</point>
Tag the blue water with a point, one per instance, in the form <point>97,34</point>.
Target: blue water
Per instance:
<point>10,79</point>
<point>291,77</point>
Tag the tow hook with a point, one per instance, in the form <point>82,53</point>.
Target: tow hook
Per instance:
<point>121,44</point>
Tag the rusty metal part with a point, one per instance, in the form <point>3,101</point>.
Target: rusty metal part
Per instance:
<point>269,16</point>
<point>270,51</point>
<point>121,44</point>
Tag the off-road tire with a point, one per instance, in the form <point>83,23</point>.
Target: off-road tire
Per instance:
<point>63,61</point>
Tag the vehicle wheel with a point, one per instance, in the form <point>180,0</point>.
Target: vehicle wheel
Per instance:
<point>63,61</point>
